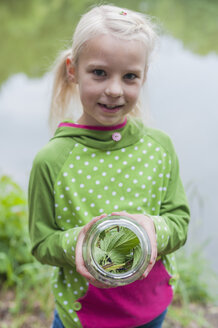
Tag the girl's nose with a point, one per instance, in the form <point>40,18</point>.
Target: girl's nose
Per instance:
<point>114,89</point>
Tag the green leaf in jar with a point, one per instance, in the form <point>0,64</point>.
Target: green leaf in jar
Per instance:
<point>99,254</point>
<point>117,249</point>
<point>127,242</point>
<point>116,256</point>
<point>111,240</point>
<point>137,252</point>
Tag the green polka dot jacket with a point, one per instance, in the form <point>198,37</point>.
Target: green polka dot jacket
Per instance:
<point>85,171</point>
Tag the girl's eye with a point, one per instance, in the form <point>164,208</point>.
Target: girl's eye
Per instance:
<point>130,76</point>
<point>99,72</point>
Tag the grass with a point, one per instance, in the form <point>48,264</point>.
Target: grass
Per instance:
<point>194,293</point>
<point>191,315</point>
<point>30,303</point>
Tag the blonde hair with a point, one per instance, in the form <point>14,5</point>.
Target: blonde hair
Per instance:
<point>122,23</point>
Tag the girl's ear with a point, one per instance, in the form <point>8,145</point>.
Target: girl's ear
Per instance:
<point>71,71</point>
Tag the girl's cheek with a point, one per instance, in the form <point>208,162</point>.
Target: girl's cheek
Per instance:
<point>134,94</point>
<point>134,90</point>
<point>92,87</point>
<point>86,91</point>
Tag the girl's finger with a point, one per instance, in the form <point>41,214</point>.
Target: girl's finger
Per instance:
<point>120,213</point>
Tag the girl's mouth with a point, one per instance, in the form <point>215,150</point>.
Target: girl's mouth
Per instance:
<point>110,108</point>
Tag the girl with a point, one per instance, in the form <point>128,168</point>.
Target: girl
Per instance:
<point>106,163</point>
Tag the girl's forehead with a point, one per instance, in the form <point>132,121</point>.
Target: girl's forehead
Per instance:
<point>106,47</point>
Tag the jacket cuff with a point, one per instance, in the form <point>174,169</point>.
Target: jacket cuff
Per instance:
<point>162,232</point>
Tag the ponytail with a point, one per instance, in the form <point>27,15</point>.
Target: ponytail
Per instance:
<point>62,92</point>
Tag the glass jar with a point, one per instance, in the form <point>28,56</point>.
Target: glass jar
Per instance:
<point>110,273</point>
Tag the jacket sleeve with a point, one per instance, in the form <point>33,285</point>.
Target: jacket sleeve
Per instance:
<point>172,224</point>
<point>50,245</point>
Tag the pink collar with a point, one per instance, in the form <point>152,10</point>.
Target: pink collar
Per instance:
<point>93,127</point>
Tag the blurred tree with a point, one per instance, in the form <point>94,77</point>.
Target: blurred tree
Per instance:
<point>194,22</point>
<point>32,32</point>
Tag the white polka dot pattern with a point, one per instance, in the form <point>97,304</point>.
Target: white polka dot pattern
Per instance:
<point>88,173</point>
<point>93,182</point>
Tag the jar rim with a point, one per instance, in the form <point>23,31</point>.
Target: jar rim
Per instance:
<point>90,240</point>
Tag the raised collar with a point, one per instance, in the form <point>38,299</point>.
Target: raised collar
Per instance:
<point>105,138</point>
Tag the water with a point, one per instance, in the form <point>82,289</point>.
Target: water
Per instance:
<point>183,90</point>
<point>182,98</point>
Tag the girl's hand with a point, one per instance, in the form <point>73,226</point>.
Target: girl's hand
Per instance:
<point>80,265</point>
<point>147,223</point>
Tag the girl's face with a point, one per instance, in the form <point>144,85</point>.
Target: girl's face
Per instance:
<point>110,73</point>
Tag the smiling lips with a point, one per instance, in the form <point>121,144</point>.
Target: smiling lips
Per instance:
<point>110,108</point>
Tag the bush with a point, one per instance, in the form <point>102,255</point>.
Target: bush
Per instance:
<point>195,290</point>
<point>195,277</point>
<point>14,241</point>
<point>19,270</point>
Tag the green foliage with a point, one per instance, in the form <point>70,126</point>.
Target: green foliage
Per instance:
<point>18,268</point>
<point>33,278</point>
<point>193,291</point>
<point>115,249</point>
<point>194,22</point>
<point>14,242</point>
<point>194,277</point>
<point>186,316</point>
<point>33,32</point>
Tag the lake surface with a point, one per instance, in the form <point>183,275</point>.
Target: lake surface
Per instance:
<point>181,97</point>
